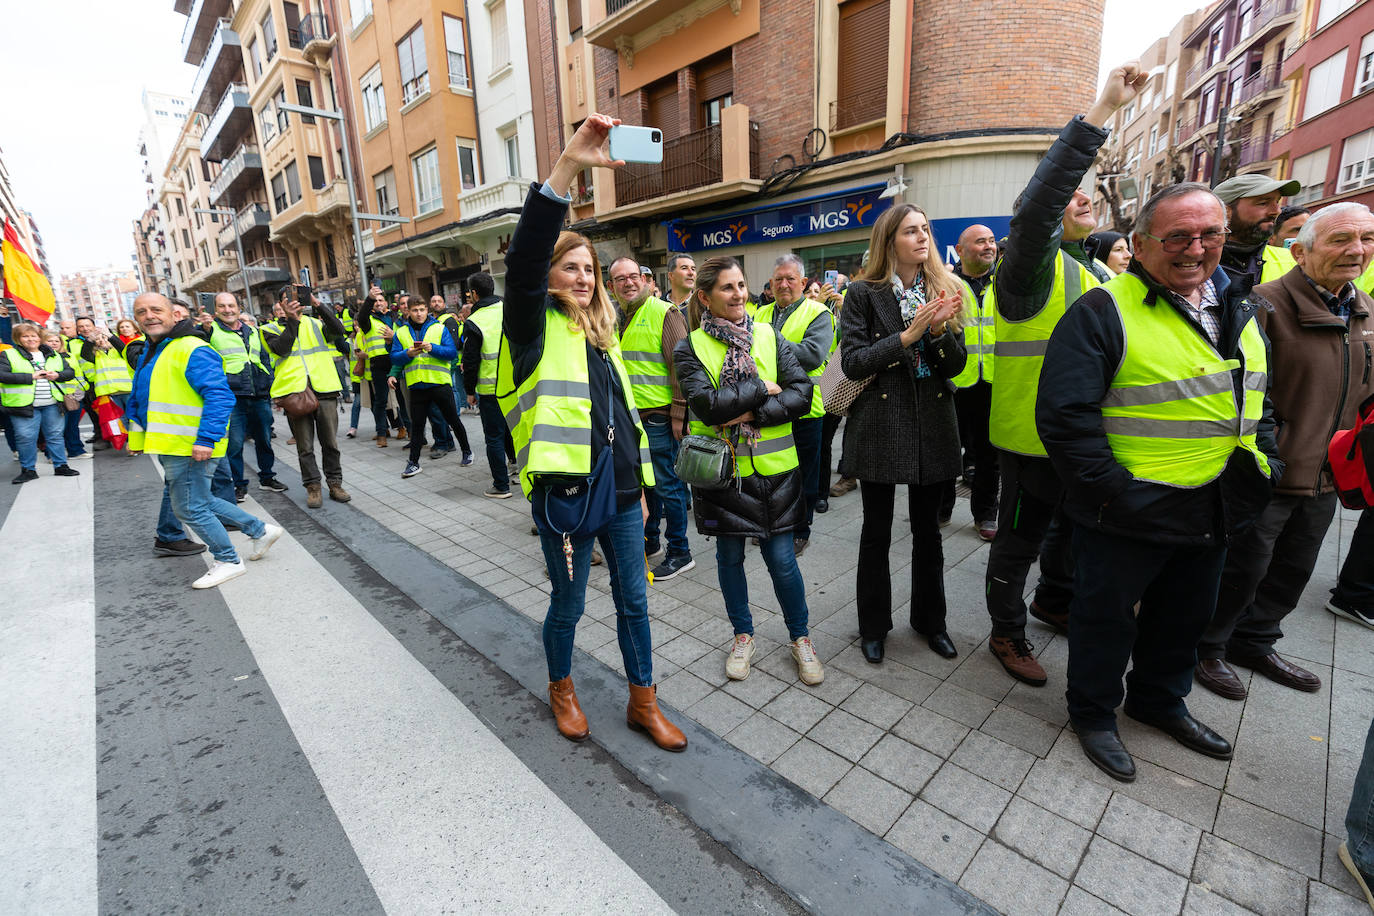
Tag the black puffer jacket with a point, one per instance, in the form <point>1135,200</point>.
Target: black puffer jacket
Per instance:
<point>763,505</point>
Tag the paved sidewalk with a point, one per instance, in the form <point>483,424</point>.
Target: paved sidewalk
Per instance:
<point>952,762</point>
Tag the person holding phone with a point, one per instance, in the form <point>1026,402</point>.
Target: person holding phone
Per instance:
<point>375,322</point>
<point>423,350</point>
<point>32,379</point>
<point>563,387</point>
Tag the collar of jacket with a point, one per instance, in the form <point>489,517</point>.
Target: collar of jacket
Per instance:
<point>1311,305</point>
<point>484,302</point>
<point>183,328</point>
<point>1230,290</point>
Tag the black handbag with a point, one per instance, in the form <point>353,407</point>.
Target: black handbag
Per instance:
<point>705,462</point>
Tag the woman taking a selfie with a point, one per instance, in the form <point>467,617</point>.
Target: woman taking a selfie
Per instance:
<point>899,327</point>
<point>562,385</point>
<point>741,381</point>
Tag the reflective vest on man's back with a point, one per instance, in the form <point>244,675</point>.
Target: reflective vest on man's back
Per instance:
<point>794,331</point>
<point>487,320</point>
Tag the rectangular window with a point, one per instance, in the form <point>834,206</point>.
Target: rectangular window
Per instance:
<point>185,238</point>
<point>710,113</point>
<point>269,35</point>
<point>1364,70</point>
<point>279,199</point>
<point>374,99</point>
<point>861,89</point>
<point>1171,79</point>
<point>1154,139</point>
<point>293,181</point>
<point>1247,21</point>
<point>1310,172</point>
<point>510,146</point>
<point>410,52</point>
<point>456,43</point>
<point>574,17</point>
<point>255,56</point>
<point>1324,85</point>
<point>425,169</point>
<point>305,97</point>
<point>469,169</point>
<point>360,10</point>
<point>500,36</point>
<point>317,179</point>
<point>1330,9</point>
<point>331,266</point>
<point>293,25</point>
<point>181,211</point>
<point>1357,161</point>
<point>205,253</point>
<point>1214,49</point>
<point>385,184</point>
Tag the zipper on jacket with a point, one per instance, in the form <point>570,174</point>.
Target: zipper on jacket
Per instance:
<point>1368,358</point>
<point>1340,402</point>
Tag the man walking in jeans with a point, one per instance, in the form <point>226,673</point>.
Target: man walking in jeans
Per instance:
<point>649,329</point>
<point>481,347</point>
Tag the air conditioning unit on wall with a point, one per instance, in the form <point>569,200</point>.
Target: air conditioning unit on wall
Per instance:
<point>637,237</point>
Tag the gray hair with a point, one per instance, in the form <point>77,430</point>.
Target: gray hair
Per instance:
<point>1146,216</point>
<point>1307,235</point>
<point>680,256</point>
<point>792,259</point>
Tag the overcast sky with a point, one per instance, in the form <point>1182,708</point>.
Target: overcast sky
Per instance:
<point>75,71</point>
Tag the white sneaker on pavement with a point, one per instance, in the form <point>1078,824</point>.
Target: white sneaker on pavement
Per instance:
<point>808,665</point>
<point>262,544</point>
<point>737,662</point>
<point>219,574</point>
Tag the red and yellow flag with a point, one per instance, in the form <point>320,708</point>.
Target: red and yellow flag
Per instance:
<point>24,282</point>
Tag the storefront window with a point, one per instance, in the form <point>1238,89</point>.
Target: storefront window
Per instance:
<point>845,257</point>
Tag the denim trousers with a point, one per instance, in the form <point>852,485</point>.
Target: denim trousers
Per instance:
<point>222,486</point>
<point>460,394</point>
<point>357,405</point>
<point>623,547</point>
<point>668,499</point>
<point>495,433</point>
<point>780,557</point>
<point>1356,583</point>
<point>71,434</point>
<point>252,417</point>
<point>8,427</point>
<point>1359,817</point>
<point>47,419</point>
<point>188,484</point>
<point>807,434</point>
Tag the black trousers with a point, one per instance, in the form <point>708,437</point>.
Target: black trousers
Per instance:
<point>1030,522</point>
<point>828,428</point>
<point>1176,587</point>
<point>1356,584</point>
<point>440,396</point>
<point>973,405</point>
<point>1267,569</point>
<point>927,559</point>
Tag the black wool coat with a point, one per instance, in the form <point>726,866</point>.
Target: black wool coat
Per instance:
<point>901,429</point>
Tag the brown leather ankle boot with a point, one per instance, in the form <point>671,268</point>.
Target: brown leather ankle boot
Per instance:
<point>644,715</point>
<point>572,724</point>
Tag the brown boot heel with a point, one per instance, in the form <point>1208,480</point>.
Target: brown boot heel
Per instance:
<point>643,715</point>
<point>567,713</point>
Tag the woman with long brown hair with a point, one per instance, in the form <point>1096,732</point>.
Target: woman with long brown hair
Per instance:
<point>566,396</point>
<point>900,325</point>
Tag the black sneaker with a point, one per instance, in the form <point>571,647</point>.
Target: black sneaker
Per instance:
<point>182,548</point>
<point>673,566</point>
<point>411,470</point>
<point>25,476</point>
<point>467,460</point>
<point>65,470</point>
<point>240,493</point>
<point>99,445</point>
<point>273,484</point>
<point>1342,608</point>
<point>437,452</point>
<point>653,549</point>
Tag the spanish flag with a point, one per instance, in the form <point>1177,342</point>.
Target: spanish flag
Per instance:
<point>24,282</point>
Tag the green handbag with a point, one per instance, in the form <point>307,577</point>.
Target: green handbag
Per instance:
<point>705,462</point>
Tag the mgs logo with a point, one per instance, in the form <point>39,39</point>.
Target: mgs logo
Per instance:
<point>682,236</point>
<point>859,209</point>
<point>727,236</point>
<point>739,229</point>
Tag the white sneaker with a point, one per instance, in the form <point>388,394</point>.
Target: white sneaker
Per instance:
<point>737,662</point>
<point>262,544</point>
<point>219,574</point>
<point>808,665</point>
<point>76,457</point>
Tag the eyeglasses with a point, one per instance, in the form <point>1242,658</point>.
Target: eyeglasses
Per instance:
<point>1176,244</point>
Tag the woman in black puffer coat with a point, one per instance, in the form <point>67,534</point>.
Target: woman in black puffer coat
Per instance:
<point>740,380</point>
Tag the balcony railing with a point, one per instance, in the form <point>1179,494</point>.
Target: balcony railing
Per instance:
<point>1252,150</point>
<point>315,27</point>
<point>413,89</point>
<point>615,6</point>
<point>195,35</point>
<point>248,220</point>
<point>508,194</point>
<point>245,158</point>
<point>1257,84</point>
<point>226,124</point>
<point>690,161</point>
<point>862,108</point>
<point>222,60</point>
<point>261,272</point>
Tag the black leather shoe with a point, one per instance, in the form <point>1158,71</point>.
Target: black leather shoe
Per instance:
<point>823,505</point>
<point>873,650</point>
<point>942,645</point>
<point>1279,670</point>
<point>1190,733</point>
<point>1108,754</point>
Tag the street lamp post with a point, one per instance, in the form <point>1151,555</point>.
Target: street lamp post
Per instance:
<point>238,242</point>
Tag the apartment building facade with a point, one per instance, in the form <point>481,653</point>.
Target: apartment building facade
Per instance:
<point>104,295</point>
<point>1328,140</point>
<point>791,126</point>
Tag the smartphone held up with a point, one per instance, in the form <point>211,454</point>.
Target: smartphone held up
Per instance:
<point>636,144</point>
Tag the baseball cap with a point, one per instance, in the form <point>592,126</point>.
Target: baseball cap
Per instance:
<point>646,271</point>
<point>1254,185</point>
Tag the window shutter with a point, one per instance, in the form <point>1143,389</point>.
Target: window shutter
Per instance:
<point>574,16</point>
<point>716,78</point>
<point>862,91</point>
<point>403,57</point>
<point>663,108</point>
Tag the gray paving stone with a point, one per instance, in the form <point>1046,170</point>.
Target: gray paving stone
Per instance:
<point>719,712</point>
<point>682,651</point>
<point>935,839</point>
<point>1327,901</point>
<point>876,706</point>
<point>930,730</point>
<point>757,689</point>
<point>960,705</point>
<point>1021,729</point>
<point>683,689</point>
<point>872,803</point>
<point>1153,834</point>
<point>972,799</point>
<point>1128,881</point>
<point>901,763</point>
<point>762,738</point>
<point>1281,753</point>
<point>1247,879</point>
<point>797,708</point>
<point>1334,872</point>
<point>980,672</point>
<point>845,734</point>
<point>1062,793</point>
<point>1013,884</point>
<point>835,689</point>
<point>1042,837</point>
<point>994,760</point>
<point>1079,902</point>
<point>1271,835</point>
<point>812,767</point>
<point>1203,901</point>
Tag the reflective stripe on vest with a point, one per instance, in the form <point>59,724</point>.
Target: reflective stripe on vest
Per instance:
<point>550,412</point>
<point>424,369</point>
<point>374,344</point>
<point>21,394</point>
<point>1019,352</point>
<point>980,334</point>
<point>83,369</point>
<point>310,360</point>
<point>641,347</point>
<point>232,350</point>
<point>174,407</point>
<point>794,330</point>
<point>487,320</point>
<point>111,374</point>
<point>775,452</point>
<point>1170,414</point>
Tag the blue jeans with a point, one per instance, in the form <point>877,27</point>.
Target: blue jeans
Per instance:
<point>49,420</point>
<point>71,434</point>
<point>1359,817</point>
<point>623,547</point>
<point>781,560</point>
<point>460,395</point>
<point>807,434</point>
<point>357,405</point>
<point>8,427</point>
<point>668,499</point>
<point>188,484</point>
<point>251,417</point>
<point>222,487</point>
<point>494,433</point>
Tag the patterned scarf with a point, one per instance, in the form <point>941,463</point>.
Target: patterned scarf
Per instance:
<point>909,300</point>
<point>739,365</point>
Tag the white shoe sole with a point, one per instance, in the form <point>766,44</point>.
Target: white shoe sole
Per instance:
<point>206,582</point>
<point>263,544</point>
<point>730,656</point>
<point>691,564</point>
<point>406,475</point>
<point>1343,853</point>
<point>1341,612</point>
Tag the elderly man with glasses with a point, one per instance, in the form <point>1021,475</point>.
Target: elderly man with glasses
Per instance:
<point>1153,405</point>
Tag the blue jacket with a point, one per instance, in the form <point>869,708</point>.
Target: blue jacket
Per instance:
<point>445,350</point>
<point>204,373</point>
